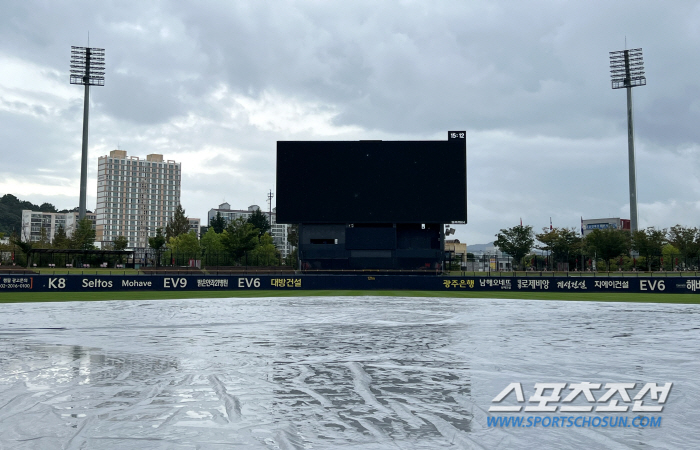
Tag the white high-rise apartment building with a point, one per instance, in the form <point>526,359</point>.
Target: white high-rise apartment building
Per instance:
<point>135,197</point>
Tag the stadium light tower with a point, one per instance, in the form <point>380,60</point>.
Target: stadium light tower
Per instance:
<point>627,71</point>
<point>87,67</point>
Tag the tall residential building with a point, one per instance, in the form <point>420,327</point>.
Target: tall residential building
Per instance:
<point>278,231</point>
<point>36,224</point>
<point>135,196</point>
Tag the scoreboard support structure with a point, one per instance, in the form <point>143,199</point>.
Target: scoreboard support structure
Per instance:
<point>372,205</point>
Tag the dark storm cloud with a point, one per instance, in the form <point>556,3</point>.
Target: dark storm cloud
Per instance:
<point>412,67</point>
<point>393,66</point>
<point>20,146</point>
<point>529,81</point>
<point>673,120</point>
<point>140,100</point>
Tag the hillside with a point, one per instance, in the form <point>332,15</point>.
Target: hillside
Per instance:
<point>11,212</point>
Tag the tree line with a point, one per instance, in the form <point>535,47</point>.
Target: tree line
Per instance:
<point>83,238</point>
<point>238,242</point>
<point>675,248</point>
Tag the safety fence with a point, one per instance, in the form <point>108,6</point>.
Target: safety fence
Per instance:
<point>580,262</point>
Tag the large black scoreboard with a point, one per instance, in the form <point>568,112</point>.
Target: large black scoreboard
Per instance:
<point>372,181</point>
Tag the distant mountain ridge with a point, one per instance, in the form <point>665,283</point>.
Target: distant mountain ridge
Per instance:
<point>481,248</point>
<point>11,213</point>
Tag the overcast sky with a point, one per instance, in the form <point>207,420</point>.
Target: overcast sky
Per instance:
<point>214,85</point>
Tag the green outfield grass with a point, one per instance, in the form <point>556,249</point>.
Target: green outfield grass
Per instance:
<point>163,295</point>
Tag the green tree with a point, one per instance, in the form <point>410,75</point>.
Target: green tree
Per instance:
<point>516,241</point>
<point>669,255</point>
<point>212,246</point>
<point>83,237</point>
<point>265,254</point>
<point>240,238</point>
<point>608,244</point>
<point>260,222</point>
<point>178,224</point>
<point>44,241</point>
<point>156,243</point>
<point>25,247</point>
<point>47,207</point>
<point>685,240</point>
<point>5,251</point>
<point>293,235</point>
<point>649,243</point>
<point>563,243</point>
<point>184,247</point>
<point>60,240</point>
<point>292,258</point>
<point>120,243</point>
<point>218,223</point>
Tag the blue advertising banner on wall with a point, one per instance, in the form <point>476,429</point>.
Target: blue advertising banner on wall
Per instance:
<point>102,283</point>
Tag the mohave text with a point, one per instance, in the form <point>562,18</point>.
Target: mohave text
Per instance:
<point>136,283</point>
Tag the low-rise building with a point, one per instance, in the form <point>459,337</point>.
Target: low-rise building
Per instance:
<point>588,225</point>
<point>38,224</point>
<point>196,226</point>
<point>457,250</point>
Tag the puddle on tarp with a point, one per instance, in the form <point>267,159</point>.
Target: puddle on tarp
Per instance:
<point>333,372</point>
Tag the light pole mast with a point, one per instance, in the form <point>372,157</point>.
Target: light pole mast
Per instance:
<point>627,71</point>
<point>269,201</point>
<point>87,67</point>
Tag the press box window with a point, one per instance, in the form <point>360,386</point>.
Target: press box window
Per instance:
<point>324,241</point>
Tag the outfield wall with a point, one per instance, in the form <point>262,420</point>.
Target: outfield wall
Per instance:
<point>103,283</point>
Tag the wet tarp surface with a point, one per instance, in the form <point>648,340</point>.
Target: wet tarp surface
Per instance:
<point>333,372</point>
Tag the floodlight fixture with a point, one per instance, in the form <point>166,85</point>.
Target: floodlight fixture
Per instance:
<point>627,71</point>
<point>87,67</point>
<point>627,68</point>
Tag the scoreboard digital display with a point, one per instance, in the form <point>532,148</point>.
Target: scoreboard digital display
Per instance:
<point>372,181</point>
